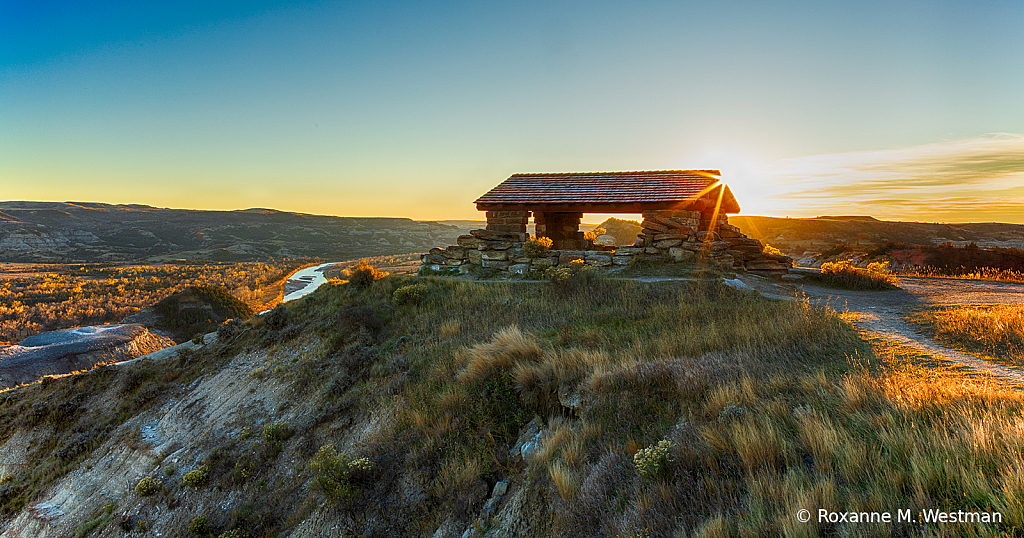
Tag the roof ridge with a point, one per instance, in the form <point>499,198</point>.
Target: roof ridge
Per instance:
<point>621,172</point>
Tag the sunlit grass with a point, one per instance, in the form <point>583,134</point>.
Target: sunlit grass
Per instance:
<point>843,274</point>
<point>981,273</point>
<point>995,330</point>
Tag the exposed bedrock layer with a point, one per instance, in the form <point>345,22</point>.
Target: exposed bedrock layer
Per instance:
<point>70,350</point>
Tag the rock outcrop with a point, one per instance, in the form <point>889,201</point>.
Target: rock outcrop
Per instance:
<point>72,350</point>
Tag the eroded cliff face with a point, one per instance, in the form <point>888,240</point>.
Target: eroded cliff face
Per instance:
<point>164,442</point>
<point>56,240</point>
<point>227,442</point>
<point>56,353</point>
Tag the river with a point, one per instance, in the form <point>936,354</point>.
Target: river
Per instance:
<point>306,281</point>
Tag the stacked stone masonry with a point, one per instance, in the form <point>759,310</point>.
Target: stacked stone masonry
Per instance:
<point>669,236</point>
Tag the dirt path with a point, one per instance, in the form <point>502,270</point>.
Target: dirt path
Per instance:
<point>884,312</point>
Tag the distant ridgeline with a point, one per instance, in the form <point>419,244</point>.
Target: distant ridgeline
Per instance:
<point>52,232</point>
<point>809,237</point>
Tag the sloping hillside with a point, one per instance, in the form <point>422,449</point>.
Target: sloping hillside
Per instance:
<point>441,408</point>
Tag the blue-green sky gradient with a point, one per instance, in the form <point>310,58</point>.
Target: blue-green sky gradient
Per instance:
<point>416,108</point>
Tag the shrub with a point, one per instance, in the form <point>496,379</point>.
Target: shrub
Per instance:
<point>7,478</point>
<point>277,432</point>
<point>652,461</point>
<point>230,329</point>
<point>411,294</point>
<point>195,478</point>
<point>198,339</point>
<point>200,525</point>
<point>768,249</point>
<point>334,471</point>
<point>364,275</point>
<point>536,245</point>
<point>276,319</point>
<point>594,234</point>
<point>147,486</point>
<point>574,277</point>
<point>730,411</point>
<point>843,274</point>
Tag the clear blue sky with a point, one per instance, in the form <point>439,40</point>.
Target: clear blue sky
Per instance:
<point>416,108</point>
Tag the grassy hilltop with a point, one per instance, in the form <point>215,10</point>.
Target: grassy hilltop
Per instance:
<point>592,407</point>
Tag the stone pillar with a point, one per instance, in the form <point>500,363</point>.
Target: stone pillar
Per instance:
<point>707,225</point>
<point>562,228</point>
<point>508,221</point>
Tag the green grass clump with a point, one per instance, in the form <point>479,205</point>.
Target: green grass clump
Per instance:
<point>99,521</point>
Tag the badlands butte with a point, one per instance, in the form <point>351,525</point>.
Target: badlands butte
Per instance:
<point>583,405</point>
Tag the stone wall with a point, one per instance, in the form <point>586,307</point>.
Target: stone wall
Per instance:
<point>668,236</point>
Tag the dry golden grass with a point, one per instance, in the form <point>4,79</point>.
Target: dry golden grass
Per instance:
<point>770,407</point>
<point>981,273</point>
<point>565,480</point>
<point>996,330</point>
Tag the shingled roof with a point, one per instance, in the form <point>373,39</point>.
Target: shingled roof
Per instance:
<point>610,192</point>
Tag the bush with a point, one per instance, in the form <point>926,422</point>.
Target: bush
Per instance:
<point>768,249</point>
<point>364,275</point>
<point>147,486</point>
<point>334,471</point>
<point>650,462</point>
<point>536,245</point>
<point>200,525</point>
<point>411,294</point>
<point>195,478</point>
<point>577,276</point>
<point>277,432</point>
<point>230,329</point>
<point>276,319</point>
<point>594,234</point>
<point>843,274</point>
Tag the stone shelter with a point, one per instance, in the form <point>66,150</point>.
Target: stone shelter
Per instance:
<point>685,217</point>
